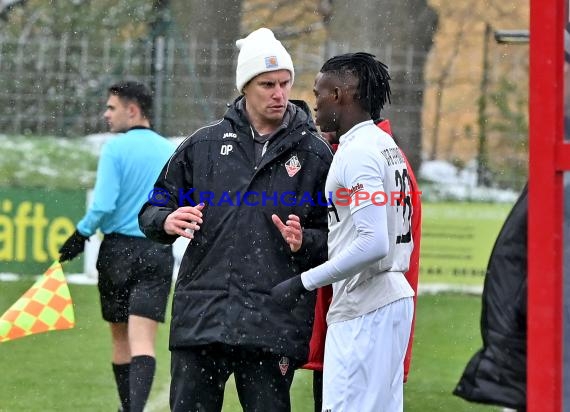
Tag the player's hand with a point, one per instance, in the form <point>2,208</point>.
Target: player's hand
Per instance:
<point>289,292</point>
<point>184,221</point>
<point>291,231</point>
<point>73,246</point>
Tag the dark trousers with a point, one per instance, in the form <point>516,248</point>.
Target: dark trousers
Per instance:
<point>199,376</point>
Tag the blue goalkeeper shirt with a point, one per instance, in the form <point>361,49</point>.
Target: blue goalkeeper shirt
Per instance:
<point>128,168</point>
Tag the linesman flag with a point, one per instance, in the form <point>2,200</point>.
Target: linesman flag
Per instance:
<point>44,307</point>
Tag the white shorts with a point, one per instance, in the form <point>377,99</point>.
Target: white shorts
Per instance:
<point>364,360</point>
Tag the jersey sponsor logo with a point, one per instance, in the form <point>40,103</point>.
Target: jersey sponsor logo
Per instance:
<point>229,134</point>
<point>355,188</point>
<point>293,166</point>
<point>284,365</point>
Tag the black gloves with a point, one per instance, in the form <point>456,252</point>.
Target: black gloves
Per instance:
<point>289,292</point>
<point>73,246</point>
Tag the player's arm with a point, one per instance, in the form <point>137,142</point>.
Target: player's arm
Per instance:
<point>369,218</point>
<point>371,244</point>
<point>104,203</point>
<point>370,222</point>
<point>105,193</point>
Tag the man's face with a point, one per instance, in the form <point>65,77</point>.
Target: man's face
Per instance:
<point>117,114</point>
<point>325,103</point>
<point>267,95</point>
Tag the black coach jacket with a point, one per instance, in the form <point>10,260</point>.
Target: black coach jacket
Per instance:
<point>222,294</point>
<point>496,374</point>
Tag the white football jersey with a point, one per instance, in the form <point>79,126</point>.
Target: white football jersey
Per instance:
<point>368,170</point>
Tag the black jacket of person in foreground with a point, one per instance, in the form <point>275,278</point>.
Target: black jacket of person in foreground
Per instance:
<point>496,374</point>
<point>222,293</point>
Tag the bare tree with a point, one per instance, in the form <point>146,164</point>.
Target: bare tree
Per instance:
<point>207,31</point>
<point>289,19</point>
<point>445,69</point>
<point>400,33</point>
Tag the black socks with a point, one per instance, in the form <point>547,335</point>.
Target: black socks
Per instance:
<point>134,381</point>
<point>122,379</point>
<point>140,377</point>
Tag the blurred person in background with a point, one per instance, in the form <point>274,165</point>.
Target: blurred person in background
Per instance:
<point>135,273</point>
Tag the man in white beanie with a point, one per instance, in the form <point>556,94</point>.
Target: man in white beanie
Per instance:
<point>247,191</point>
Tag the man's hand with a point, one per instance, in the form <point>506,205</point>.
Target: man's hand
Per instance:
<point>184,221</point>
<point>289,292</point>
<point>73,246</point>
<point>292,232</point>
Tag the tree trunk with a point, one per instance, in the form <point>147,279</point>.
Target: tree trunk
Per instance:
<point>400,34</point>
<point>203,67</point>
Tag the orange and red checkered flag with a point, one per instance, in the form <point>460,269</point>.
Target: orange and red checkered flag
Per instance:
<point>44,307</point>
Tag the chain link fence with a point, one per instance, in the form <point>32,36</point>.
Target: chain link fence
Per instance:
<point>57,86</point>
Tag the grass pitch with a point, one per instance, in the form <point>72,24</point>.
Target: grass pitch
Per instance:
<point>71,371</point>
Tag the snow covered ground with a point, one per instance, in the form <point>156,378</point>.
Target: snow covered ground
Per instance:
<point>450,183</point>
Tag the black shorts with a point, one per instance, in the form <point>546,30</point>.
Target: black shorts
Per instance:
<point>135,275</point>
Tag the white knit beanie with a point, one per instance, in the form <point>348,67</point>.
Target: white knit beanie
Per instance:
<point>260,52</point>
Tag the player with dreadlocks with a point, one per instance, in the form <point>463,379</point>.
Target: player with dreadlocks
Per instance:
<point>369,242</point>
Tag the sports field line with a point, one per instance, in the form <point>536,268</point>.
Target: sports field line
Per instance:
<point>435,288</point>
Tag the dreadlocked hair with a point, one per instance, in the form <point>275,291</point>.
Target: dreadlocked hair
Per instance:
<point>373,88</point>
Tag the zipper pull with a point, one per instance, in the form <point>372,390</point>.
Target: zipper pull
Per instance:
<point>264,148</point>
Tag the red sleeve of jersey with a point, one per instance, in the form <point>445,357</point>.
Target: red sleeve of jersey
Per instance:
<point>412,275</point>
<point>413,272</point>
<point>317,343</point>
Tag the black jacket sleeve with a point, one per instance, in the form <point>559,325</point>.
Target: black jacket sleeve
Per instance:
<point>496,374</point>
<point>151,222</point>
